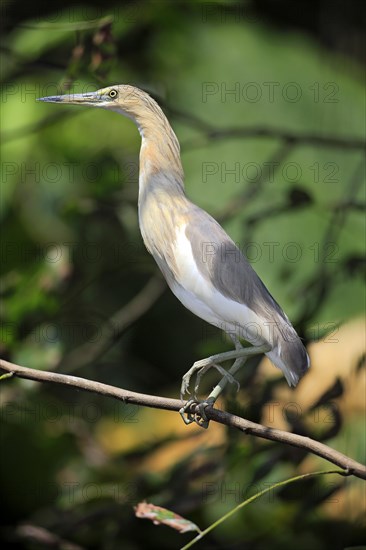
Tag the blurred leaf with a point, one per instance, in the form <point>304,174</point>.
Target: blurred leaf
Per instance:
<point>336,390</point>
<point>162,516</point>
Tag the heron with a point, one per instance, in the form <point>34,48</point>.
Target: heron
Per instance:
<point>202,265</point>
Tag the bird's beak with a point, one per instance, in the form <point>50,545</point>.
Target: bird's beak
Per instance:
<point>90,98</point>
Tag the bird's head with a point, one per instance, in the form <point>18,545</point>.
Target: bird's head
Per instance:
<point>122,98</point>
<point>144,111</point>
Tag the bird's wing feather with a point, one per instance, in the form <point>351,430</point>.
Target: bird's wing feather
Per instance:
<point>221,262</point>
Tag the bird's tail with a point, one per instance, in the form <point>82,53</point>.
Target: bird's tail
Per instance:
<point>289,354</point>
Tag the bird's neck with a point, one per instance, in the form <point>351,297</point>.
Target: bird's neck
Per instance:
<point>160,151</point>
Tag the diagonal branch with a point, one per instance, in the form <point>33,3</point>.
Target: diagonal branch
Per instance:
<point>350,466</point>
<point>115,326</point>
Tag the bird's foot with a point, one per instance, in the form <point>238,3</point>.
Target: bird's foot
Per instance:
<point>195,411</point>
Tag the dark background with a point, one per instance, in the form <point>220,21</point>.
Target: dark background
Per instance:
<point>267,100</point>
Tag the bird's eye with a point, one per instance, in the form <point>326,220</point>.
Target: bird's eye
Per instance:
<point>113,94</point>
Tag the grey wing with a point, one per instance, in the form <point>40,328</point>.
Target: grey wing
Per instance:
<point>222,263</point>
<point>220,260</point>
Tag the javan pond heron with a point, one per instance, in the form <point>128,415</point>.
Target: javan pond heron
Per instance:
<point>201,264</point>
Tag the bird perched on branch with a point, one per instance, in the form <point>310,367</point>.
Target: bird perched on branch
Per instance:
<point>201,264</point>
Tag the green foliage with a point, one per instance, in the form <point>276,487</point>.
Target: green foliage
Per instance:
<point>72,256</point>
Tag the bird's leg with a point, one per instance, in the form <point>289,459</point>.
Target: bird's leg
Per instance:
<point>200,367</point>
<point>204,365</point>
<point>227,375</point>
<point>240,354</point>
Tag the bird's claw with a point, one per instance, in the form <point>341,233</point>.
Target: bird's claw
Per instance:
<point>184,389</point>
<point>195,411</point>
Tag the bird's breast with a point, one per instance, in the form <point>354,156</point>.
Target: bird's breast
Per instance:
<point>163,226</point>
<point>160,216</point>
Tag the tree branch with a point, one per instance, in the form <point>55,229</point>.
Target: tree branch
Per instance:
<point>118,323</point>
<point>211,132</point>
<point>350,466</point>
<point>287,136</point>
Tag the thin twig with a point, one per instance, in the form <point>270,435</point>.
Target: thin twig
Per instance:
<point>348,464</point>
<point>319,287</point>
<point>255,497</point>
<point>243,199</point>
<point>275,133</point>
<point>43,537</point>
<point>115,326</point>
<point>214,133</point>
